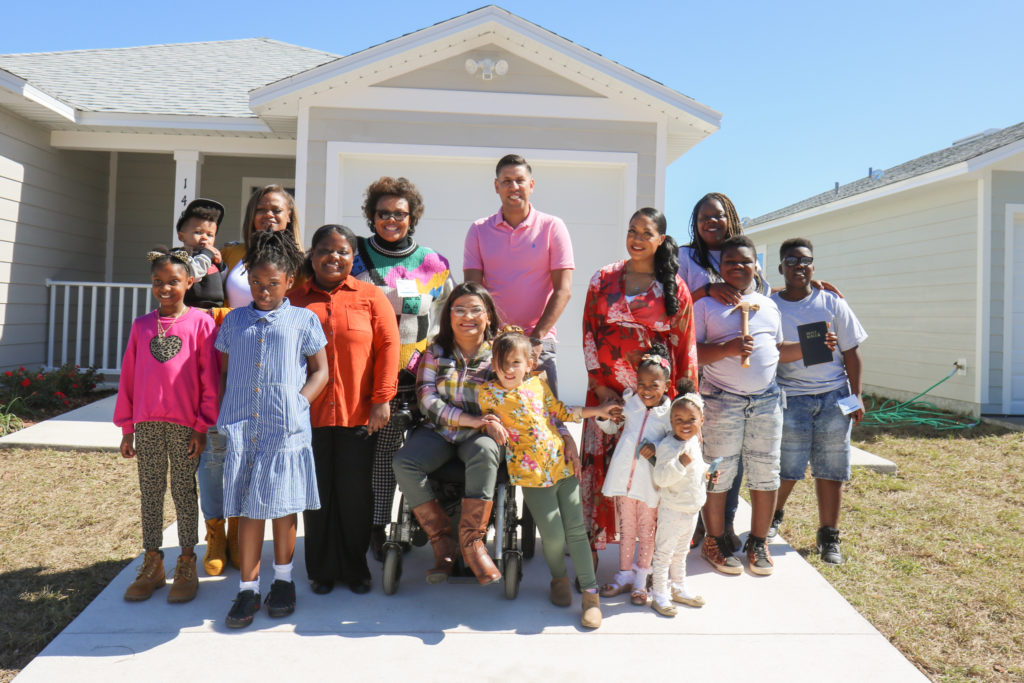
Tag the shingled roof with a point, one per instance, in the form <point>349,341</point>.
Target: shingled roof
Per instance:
<point>190,79</point>
<point>949,156</point>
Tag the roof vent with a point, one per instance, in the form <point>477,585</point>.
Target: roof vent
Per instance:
<point>875,173</point>
<point>976,136</point>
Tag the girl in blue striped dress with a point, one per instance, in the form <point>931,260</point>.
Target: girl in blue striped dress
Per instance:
<point>274,365</point>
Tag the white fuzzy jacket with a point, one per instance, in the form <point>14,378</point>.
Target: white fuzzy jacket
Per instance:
<point>682,487</point>
<point>641,424</point>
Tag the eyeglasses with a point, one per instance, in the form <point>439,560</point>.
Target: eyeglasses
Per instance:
<point>392,215</point>
<point>462,311</point>
<point>793,261</point>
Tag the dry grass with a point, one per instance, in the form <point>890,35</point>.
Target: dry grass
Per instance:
<point>69,522</point>
<point>934,553</point>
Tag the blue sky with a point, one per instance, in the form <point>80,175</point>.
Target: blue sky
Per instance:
<point>811,93</point>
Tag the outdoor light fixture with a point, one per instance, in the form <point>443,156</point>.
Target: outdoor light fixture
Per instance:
<point>487,67</point>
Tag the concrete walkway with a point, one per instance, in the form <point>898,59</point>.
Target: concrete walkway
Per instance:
<point>790,627</point>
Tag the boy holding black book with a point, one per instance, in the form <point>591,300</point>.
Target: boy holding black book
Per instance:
<point>822,392</point>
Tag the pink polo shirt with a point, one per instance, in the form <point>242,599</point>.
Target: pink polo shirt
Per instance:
<point>517,263</point>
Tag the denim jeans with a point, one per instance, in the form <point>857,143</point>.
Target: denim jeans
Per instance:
<point>547,363</point>
<point>815,430</point>
<point>748,428</point>
<point>211,475</point>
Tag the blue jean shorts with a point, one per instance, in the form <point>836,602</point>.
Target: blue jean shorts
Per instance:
<point>815,430</point>
<point>748,427</point>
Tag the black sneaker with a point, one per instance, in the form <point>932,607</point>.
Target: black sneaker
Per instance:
<point>828,545</point>
<point>773,530</point>
<point>281,601</point>
<point>758,557</point>
<point>246,604</point>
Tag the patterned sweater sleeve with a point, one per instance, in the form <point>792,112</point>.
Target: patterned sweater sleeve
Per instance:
<point>432,404</point>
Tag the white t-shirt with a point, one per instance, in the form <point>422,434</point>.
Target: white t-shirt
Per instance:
<point>798,379</point>
<point>696,277</point>
<point>236,286</point>
<point>717,322</point>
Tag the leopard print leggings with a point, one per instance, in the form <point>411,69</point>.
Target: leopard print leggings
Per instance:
<point>158,443</point>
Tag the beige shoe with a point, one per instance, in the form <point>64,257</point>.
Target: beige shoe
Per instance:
<point>663,607</point>
<point>234,554</point>
<point>684,599</point>
<point>560,593</point>
<point>186,583</point>
<point>215,561</point>
<point>151,576</point>
<point>591,617</point>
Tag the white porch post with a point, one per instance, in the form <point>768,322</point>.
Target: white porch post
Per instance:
<point>188,166</point>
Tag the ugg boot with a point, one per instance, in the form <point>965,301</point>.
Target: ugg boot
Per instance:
<point>186,583</point>
<point>151,576</point>
<point>438,528</point>
<point>591,617</point>
<point>560,593</point>
<point>472,532</point>
<point>215,560</point>
<point>233,552</point>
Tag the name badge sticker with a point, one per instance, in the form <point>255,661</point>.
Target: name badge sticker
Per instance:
<point>406,288</point>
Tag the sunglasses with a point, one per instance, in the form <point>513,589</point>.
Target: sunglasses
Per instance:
<point>389,215</point>
<point>793,261</point>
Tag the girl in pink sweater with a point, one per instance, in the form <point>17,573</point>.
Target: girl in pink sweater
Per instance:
<point>167,399</point>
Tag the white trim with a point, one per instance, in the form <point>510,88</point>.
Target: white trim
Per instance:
<point>177,121</point>
<point>1008,304</point>
<point>20,86</point>
<point>159,143</point>
<point>249,181</point>
<point>108,265</point>
<point>302,163</point>
<point>660,164</point>
<point>983,293</point>
<point>337,151</point>
<point>188,169</point>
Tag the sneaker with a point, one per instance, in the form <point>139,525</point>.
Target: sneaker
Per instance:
<point>723,562</point>
<point>828,545</point>
<point>758,557</point>
<point>281,601</point>
<point>773,530</point>
<point>734,541</point>
<point>246,604</point>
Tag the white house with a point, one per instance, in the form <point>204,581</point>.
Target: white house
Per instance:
<point>100,149</point>
<point>930,254</point>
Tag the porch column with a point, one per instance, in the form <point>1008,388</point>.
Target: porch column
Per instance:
<point>188,166</point>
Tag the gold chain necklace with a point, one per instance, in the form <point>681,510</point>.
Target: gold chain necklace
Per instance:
<point>162,331</point>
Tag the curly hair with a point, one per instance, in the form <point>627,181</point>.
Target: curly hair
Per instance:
<point>386,186</point>
<point>733,227</point>
<point>277,248</point>
<point>654,357</point>
<point>445,337</point>
<point>249,224</point>
<point>666,258</point>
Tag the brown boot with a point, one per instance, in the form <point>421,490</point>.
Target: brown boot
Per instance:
<point>151,576</point>
<point>472,532</point>
<point>215,560</point>
<point>186,583</point>
<point>233,552</point>
<point>591,617</point>
<point>560,594</point>
<point>438,528</point>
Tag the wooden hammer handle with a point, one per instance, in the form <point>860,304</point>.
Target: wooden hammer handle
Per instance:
<point>745,362</point>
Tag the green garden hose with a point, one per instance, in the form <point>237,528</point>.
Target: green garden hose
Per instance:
<point>914,412</point>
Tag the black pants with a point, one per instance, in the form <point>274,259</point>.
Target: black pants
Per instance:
<point>338,534</point>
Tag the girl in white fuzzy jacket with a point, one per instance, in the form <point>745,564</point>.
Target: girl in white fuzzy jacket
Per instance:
<point>681,474</point>
<point>630,473</point>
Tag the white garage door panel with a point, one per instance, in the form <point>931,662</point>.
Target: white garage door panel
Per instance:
<point>456,192</point>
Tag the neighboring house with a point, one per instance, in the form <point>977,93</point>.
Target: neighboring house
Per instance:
<point>930,254</point>
<point>100,149</point>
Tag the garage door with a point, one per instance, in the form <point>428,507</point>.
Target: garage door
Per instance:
<point>589,197</point>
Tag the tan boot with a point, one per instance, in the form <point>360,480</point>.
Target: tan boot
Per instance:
<point>186,583</point>
<point>151,576</point>
<point>215,560</point>
<point>234,554</point>
<point>472,532</point>
<point>438,527</point>
<point>591,617</point>
<point>560,593</point>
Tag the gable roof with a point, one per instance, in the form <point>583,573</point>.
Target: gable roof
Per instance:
<point>950,156</point>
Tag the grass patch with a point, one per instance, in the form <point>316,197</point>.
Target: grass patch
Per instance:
<point>933,553</point>
<point>69,522</point>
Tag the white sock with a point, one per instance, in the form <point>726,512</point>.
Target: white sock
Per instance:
<point>283,572</point>
<point>253,586</point>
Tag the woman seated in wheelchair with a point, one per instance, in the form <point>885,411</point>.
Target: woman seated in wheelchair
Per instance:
<point>450,374</point>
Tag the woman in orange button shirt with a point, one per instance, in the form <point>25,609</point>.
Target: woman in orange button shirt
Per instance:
<point>362,357</point>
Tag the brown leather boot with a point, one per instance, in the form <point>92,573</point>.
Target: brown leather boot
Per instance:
<point>215,560</point>
<point>151,576</point>
<point>233,552</point>
<point>186,583</point>
<point>438,528</point>
<point>472,532</point>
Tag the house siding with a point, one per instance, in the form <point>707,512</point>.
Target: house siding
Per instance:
<point>53,206</point>
<point>222,180</point>
<point>145,187</point>
<point>1007,188</point>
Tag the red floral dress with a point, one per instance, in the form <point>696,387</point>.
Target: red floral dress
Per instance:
<point>616,333</point>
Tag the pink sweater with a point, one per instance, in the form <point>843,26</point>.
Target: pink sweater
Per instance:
<point>183,389</point>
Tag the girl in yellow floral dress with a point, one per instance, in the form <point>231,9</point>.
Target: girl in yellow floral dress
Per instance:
<point>537,462</point>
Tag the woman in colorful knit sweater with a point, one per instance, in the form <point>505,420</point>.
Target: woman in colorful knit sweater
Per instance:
<point>417,282</point>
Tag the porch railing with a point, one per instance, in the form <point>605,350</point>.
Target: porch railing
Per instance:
<point>90,322</point>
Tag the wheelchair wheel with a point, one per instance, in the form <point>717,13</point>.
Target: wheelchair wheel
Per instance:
<point>392,567</point>
<point>529,534</point>
<point>512,574</point>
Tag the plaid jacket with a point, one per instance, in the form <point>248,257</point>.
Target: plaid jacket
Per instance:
<point>447,386</point>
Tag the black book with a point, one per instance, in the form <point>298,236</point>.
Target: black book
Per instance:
<point>812,343</point>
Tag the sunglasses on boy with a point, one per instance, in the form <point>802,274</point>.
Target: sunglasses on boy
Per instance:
<point>392,215</point>
<point>793,261</point>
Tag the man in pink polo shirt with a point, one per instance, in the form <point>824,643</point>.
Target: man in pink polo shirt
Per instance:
<point>524,258</point>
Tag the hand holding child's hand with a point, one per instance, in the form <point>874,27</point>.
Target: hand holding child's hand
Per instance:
<point>196,444</point>
<point>647,450</point>
<point>609,409</point>
<point>128,446</point>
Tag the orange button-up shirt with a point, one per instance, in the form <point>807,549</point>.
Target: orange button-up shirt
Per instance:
<point>362,350</point>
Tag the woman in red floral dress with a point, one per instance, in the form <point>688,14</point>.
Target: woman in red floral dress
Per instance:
<point>630,305</point>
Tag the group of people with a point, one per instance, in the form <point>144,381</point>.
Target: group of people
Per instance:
<point>284,376</point>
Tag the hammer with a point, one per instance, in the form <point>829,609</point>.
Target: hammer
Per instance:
<point>745,307</point>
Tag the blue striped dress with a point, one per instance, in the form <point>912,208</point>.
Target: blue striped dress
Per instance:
<point>268,469</point>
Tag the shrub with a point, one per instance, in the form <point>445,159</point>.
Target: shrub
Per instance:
<point>46,389</point>
<point>9,421</point>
